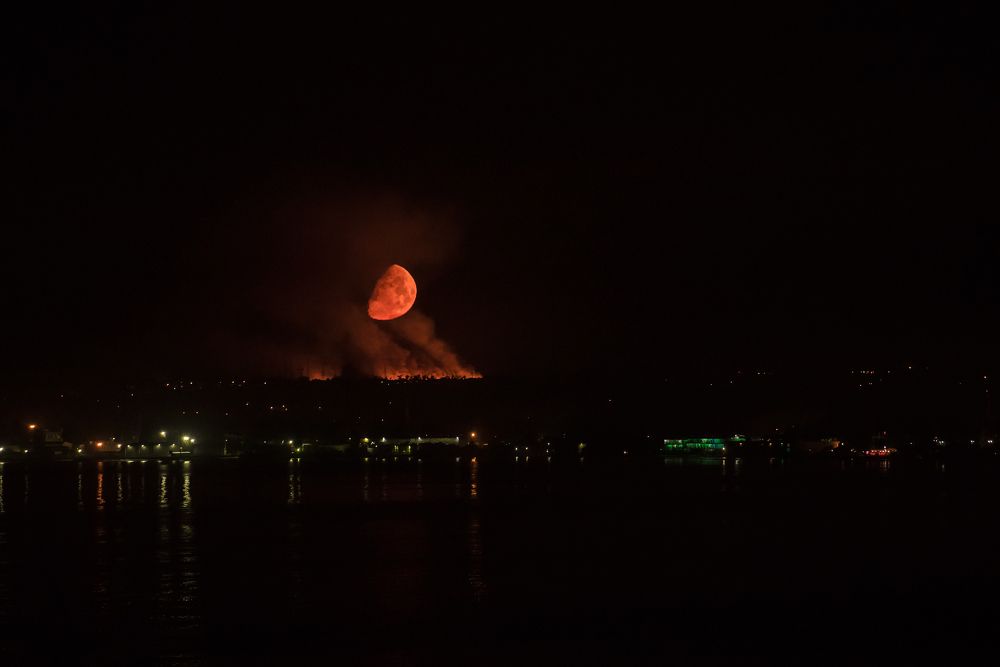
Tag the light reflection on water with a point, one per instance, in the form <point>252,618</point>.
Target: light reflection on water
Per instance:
<point>156,552</point>
<point>107,484</point>
<point>163,486</point>
<point>679,461</point>
<point>186,497</point>
<point>294,481</point>
<point>103,485</point>
<point>100,485</point>
<point>474,479</point>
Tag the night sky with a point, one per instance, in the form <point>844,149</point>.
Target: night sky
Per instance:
<point>210,191</point>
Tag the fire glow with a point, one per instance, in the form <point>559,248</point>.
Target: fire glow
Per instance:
<point>404,347</point>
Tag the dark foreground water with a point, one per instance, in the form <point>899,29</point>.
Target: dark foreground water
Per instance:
<point>691,562</point>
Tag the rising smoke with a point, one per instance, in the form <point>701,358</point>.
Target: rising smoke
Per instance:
<point>305,312</point>
<point>405,347</point>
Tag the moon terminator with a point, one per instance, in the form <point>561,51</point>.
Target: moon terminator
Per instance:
<point>394,294</point>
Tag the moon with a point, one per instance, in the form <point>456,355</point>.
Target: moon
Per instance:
<point>393,295</point>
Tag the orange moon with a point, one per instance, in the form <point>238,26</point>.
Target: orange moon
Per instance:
<point>393,295</point>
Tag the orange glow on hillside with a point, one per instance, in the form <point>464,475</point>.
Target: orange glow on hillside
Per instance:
<point>429,374</point>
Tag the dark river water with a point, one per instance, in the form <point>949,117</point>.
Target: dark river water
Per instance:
<point>652,562</point>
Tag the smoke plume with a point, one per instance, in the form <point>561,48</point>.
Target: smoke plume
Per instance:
<point>405,347</point>
<point>300,307</point>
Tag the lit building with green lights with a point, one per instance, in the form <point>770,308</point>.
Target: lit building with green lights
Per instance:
<point>704,446</point>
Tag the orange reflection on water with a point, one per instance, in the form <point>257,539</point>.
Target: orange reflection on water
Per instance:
<point>100,485</point>
<point>474,478</point>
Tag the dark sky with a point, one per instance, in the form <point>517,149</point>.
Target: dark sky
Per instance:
<point>186,191</point>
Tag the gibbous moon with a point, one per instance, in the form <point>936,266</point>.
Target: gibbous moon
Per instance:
<point>393,295</point>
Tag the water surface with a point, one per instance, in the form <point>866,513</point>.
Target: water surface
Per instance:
<point>684,561</point>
